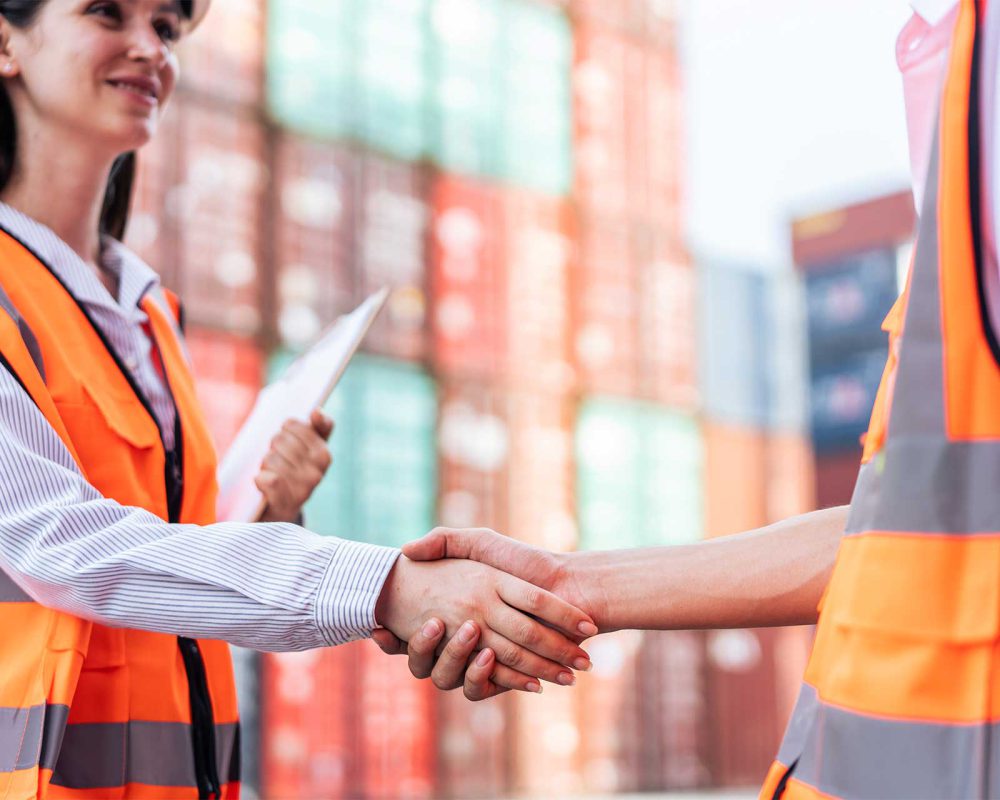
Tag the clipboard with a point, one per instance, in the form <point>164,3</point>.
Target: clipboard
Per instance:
<point>305,385</point>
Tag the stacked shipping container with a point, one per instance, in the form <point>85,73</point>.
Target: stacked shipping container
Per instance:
<point>511,169</point>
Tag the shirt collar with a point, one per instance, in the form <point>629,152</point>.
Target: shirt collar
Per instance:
<point>135,278</point>
<point>932,11</point>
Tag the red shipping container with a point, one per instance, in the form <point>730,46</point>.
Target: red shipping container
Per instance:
<point>225,59</point>
<point>219,212</point>
<point>466,278</point>
<point>539,253</point>
<point>674,746</point>
<point>668,325</point>
<point>393,220</point>
<point>542,470</point>
<point>606,309</point>
<point>606,66</point>
<point>836,476</point>
<point>151,230</point>
<point>745,704</point>
<point>311,723</point>
<point>313,239</point>
<point>397,729</point>
<point>229,372</point>
<point>610,713</point>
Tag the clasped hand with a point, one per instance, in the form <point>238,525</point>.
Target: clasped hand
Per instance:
<point>521,626</point>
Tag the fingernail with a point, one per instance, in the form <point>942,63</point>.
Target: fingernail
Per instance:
<point>431,629</point>
<point>531,686</point>
<point>466,633</point>
<point>484,658</point>
<point>582,664</point>
<point>587,628</point>
<point>566,678</point>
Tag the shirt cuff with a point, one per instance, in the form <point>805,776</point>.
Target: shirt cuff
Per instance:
<point>348,592</point>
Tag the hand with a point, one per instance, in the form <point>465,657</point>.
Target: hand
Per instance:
<point>547,570</point>
<point>458,663</point>
<point>555,572</point>
<point>456,591</point>
<point>294,466</point>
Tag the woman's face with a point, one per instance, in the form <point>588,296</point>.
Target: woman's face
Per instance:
<point>101,69</point>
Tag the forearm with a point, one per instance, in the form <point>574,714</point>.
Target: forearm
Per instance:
<point>771,576</point>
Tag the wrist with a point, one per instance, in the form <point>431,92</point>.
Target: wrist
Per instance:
<point>585,576</point>
<point>392,600</point>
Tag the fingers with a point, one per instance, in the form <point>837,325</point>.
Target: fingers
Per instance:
<point>549,608</point>
<point>423,647</point>
<point>449,671</point>
<point>446,543</point>
<point>321,423</point>
<point>526,662</point>
<point>387,642</point>
<point>299,442</point>
<point>478,683</point>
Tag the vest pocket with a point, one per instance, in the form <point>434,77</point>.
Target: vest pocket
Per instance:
<point>122,416</point>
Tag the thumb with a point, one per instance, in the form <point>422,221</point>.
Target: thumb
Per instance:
<point>321,423</point>
<point>439,543</point>
<point>478,544</point>
<point>387,642</point>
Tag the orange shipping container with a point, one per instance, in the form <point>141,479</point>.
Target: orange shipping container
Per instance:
<point>547,740</point>
<point>219,211</point>
<point>736,478</point>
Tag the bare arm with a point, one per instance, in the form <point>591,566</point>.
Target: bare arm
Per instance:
<point>771,576</point>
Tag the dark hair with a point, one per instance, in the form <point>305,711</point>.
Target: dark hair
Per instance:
<point>118,194</point>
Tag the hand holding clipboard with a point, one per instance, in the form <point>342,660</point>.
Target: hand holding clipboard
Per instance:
<point>304,386</point>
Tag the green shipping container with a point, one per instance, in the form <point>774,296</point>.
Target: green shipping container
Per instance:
<point>383,483</point>
<point>311,81</point>
<point>466,68</point>
<point>537,100</point>
<point>639,475</point>
<point>393,90</point>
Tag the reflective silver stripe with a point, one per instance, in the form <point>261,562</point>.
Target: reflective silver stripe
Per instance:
<point>870,758</point>
<point>10,592</point>
<point>29,735</point>
<point>27,335</point>
<point>918,399</point>
<point>105,755</point>
<point>799,725</point>
<point>892,490</point>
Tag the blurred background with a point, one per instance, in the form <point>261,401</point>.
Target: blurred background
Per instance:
<point>640,253</point>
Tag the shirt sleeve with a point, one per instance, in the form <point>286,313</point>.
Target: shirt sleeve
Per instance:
<point>266,586</point>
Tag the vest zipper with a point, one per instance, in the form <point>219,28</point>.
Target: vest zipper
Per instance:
<point>202,721</point>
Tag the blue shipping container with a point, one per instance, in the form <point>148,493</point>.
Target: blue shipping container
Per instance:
<point>847,302</point>
<point>842,393</point>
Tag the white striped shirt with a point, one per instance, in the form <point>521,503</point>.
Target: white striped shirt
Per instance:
<point>265,586</point>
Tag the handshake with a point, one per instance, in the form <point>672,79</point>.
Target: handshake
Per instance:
<point>475,609</point>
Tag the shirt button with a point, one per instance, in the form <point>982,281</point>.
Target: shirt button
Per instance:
<point>132,363</point>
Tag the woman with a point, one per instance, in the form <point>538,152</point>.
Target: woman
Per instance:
<point>116,587</point>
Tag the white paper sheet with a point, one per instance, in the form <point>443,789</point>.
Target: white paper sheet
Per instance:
<point>304,386</point>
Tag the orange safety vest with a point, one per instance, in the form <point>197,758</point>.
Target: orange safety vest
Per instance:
<point>901,697</point>
<point>86,710</point>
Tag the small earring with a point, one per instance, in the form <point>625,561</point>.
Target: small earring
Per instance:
<point>8,68</point>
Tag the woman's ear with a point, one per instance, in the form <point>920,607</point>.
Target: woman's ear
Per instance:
<point>8,64</point>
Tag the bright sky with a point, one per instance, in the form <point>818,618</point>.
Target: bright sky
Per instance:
<point>792,107</point>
